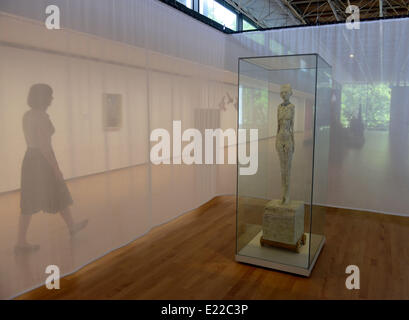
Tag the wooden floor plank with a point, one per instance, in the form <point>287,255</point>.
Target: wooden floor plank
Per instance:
<point>192,257</point>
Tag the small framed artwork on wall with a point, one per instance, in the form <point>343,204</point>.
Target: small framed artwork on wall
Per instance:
<point>112,111</point>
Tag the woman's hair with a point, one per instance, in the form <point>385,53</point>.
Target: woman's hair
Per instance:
<point>39,95</point>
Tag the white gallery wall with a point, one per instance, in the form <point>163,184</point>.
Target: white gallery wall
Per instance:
<point>166,66</point>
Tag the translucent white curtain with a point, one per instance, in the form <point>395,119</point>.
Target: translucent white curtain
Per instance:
<point>369,150</point>
<point>117,70</point>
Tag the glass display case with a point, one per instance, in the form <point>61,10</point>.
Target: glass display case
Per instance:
<point>281,208</point>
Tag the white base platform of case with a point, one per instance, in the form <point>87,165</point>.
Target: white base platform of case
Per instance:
<point>281,259</point>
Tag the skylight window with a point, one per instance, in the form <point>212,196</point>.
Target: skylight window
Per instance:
<point>187,3</point>
<point>217,12</point>
<point>248,26</point>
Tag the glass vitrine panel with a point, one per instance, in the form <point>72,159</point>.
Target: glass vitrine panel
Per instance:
<point>280,217</point>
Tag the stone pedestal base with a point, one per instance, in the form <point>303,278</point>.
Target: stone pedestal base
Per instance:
<point>292,247</point>
<point>283,224</point>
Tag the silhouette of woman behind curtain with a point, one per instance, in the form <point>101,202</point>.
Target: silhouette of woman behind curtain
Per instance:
<point>42,184</point>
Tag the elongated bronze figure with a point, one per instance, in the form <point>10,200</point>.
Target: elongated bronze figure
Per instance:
<point>285,140</point>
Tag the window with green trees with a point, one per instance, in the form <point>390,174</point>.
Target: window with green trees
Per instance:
<point>374,101</point>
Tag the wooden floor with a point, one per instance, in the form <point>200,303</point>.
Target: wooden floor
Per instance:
<point>192,257</point>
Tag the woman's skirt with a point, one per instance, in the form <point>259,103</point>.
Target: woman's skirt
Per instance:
<point>41,190</point>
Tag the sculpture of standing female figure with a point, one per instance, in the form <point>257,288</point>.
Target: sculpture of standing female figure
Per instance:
<point>285,140</point>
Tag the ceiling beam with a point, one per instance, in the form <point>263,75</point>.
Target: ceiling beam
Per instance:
<point>285,4</point>
<point>391,7</point>
<point>246,12</point>
<point>271,13</point>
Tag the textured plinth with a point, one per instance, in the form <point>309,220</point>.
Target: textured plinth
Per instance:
<point>283,222</point>
<point>276,258</point>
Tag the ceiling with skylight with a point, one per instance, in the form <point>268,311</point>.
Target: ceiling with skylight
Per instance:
<point>243,15</point>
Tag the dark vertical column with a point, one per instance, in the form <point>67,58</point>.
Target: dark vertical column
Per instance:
<point>338,134</point>
<point>240,22</point>
<point>196,5</point>
<point>336,103</point>
<point>337,144</point>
